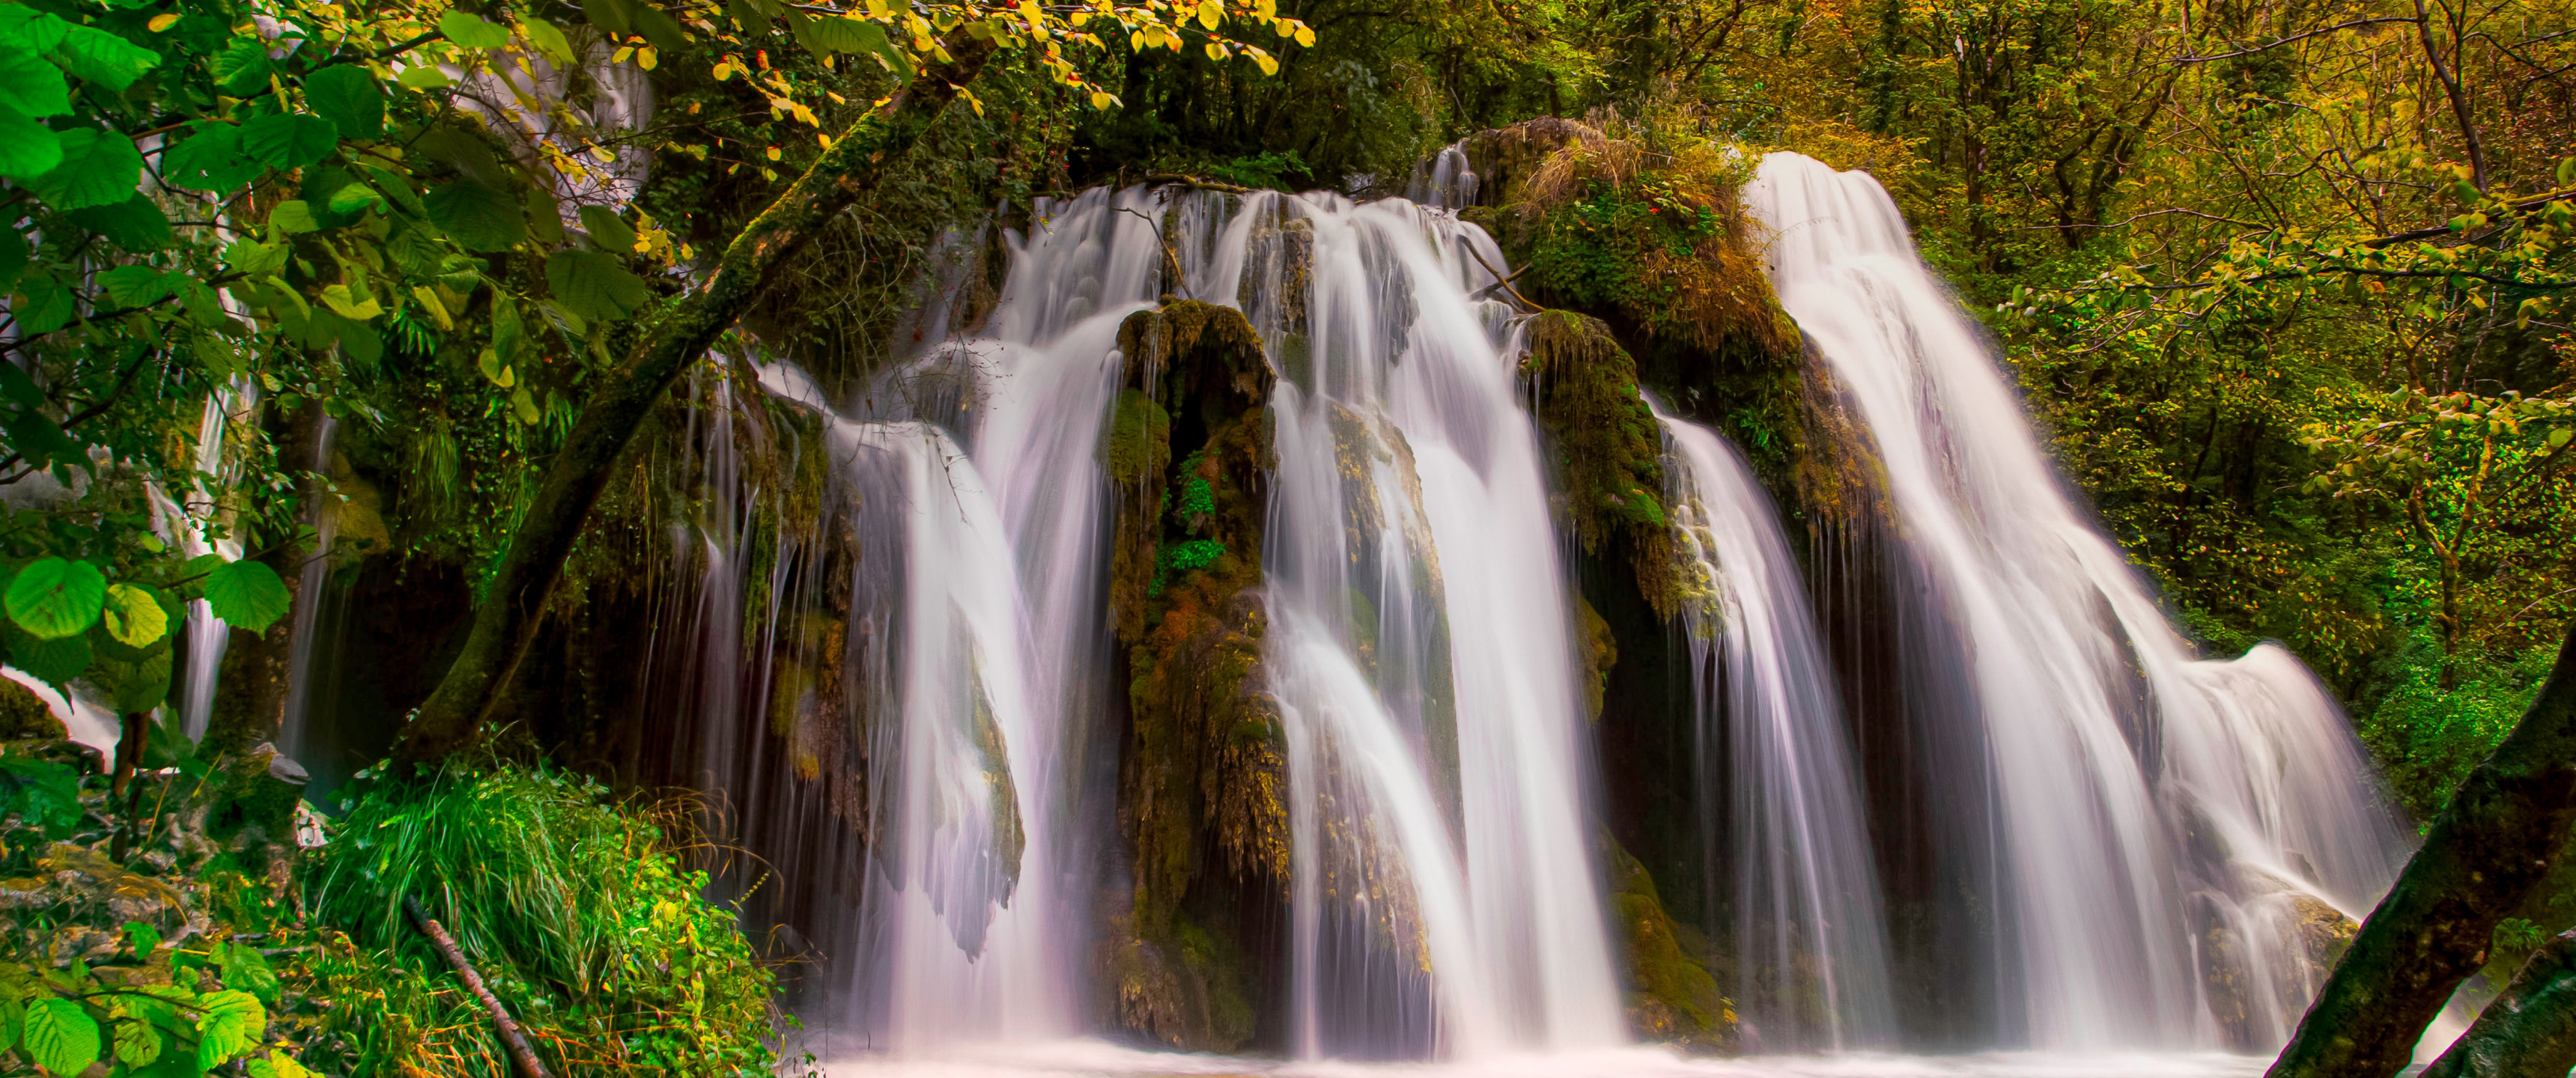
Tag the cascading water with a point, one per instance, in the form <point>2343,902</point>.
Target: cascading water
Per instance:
<point>1445,900</point>
<point>2156,815</point>
<point>1421,618</point>
<point>1809,938</point>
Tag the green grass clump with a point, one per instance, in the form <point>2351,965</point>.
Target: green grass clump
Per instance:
<point>575,910</point>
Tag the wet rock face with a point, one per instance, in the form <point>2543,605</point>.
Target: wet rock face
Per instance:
<point>1203,772</point>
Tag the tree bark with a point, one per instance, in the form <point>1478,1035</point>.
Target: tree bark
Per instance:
<point>2530,1029</point>
<point>507,622</point>
<point>2485,854</point>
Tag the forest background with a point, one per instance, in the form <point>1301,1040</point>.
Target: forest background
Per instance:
<point>2284,281</point>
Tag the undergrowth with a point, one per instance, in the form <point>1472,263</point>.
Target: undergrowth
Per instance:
<point>576,911</point>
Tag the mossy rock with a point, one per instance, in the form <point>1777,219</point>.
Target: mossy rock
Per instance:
<point>24,716</point>
<point>1671,996</point>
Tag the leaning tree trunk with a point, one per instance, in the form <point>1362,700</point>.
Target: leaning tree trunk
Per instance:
<point>2530,1029</point>
<point>2487,851</point>
<point>507,622</point>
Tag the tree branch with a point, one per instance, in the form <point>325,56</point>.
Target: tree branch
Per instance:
<point>506,625</point>
<point>2486,853</point>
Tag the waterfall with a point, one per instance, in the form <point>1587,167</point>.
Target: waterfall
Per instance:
<point>1427,669</point>
<point>1446,899</point>
<point>2158,819</point>
<point>1778,785</point>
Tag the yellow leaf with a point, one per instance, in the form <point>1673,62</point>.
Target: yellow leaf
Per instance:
<point>1100,100</point>
<point>1136,40</point>
<point>509,377</point>
<point>1268,65</point>
<point>524,406</point>
<point>1285,28</point>
<point>437,311</point>
<point>724,70</point>
<point>773,153</point>
<point>347,305</point>
<point>1215,51</point>
<point>134,618</point>
<point>1305,37</point>
<point>1209,12</point>
<point>1265,10</point>
<point>645,58</point>
<point>162,21</point>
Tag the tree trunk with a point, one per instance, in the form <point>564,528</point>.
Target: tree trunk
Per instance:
<point>2485,854</point>
<point>2529,1030</point>
<point>507,623</point>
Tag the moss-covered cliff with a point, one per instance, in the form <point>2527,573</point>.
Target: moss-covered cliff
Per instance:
<point>1203,773</point>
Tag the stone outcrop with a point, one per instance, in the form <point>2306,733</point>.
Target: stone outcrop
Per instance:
<point>1203,771</point>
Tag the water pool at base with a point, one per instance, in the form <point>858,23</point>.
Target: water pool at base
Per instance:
<point>1094,1059</point>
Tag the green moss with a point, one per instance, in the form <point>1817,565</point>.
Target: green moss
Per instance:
<point>1671,996</point>
<point>1139,439</point>
<point>1605,443</point>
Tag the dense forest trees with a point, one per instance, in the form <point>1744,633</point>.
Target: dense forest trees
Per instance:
<point>2287,281</point>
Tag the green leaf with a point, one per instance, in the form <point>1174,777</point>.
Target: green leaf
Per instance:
<point>246,969</point>
<point>134,616</point>
<point>31,29</point>
<point>61,1036</point>
<point>248,594</point>
<point>144,938</point>
<point>133,682</point>
<point>30,85</point>
<point>209,160</point>
<point>594,285</point>
<point>27,149</point>
<point>834,33</point>
<point>617,17</point>
<point>134,286</point>
<point>231,1026</point>
<point>423,77</point>
<point>99,168</point>
<point>104,58</point>
<point>477,217</point>
<point>606,229</point>
<point>43,305</point>
<point>55,598</point>
<point>350,98</point>
<point>252,258</point>
<point>548,40</point>
<point>289,140</point>
<point>293,217</point>
<point>472,31</point>
<point>242,68</point>
<point>135,224</point>
<point>356,197</point>
<point>136,1043</point>
<point>660,29</point>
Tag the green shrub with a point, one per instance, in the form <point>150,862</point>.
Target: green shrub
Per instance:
<point>2427,737</point>
<point>576,912</point>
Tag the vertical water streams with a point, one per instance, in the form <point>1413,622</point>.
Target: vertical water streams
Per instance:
<point>1809,936</point>
<point>2151,805</point>
<point>1424,664</point>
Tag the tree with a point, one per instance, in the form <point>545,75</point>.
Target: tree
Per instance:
<point>2484,854</point>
